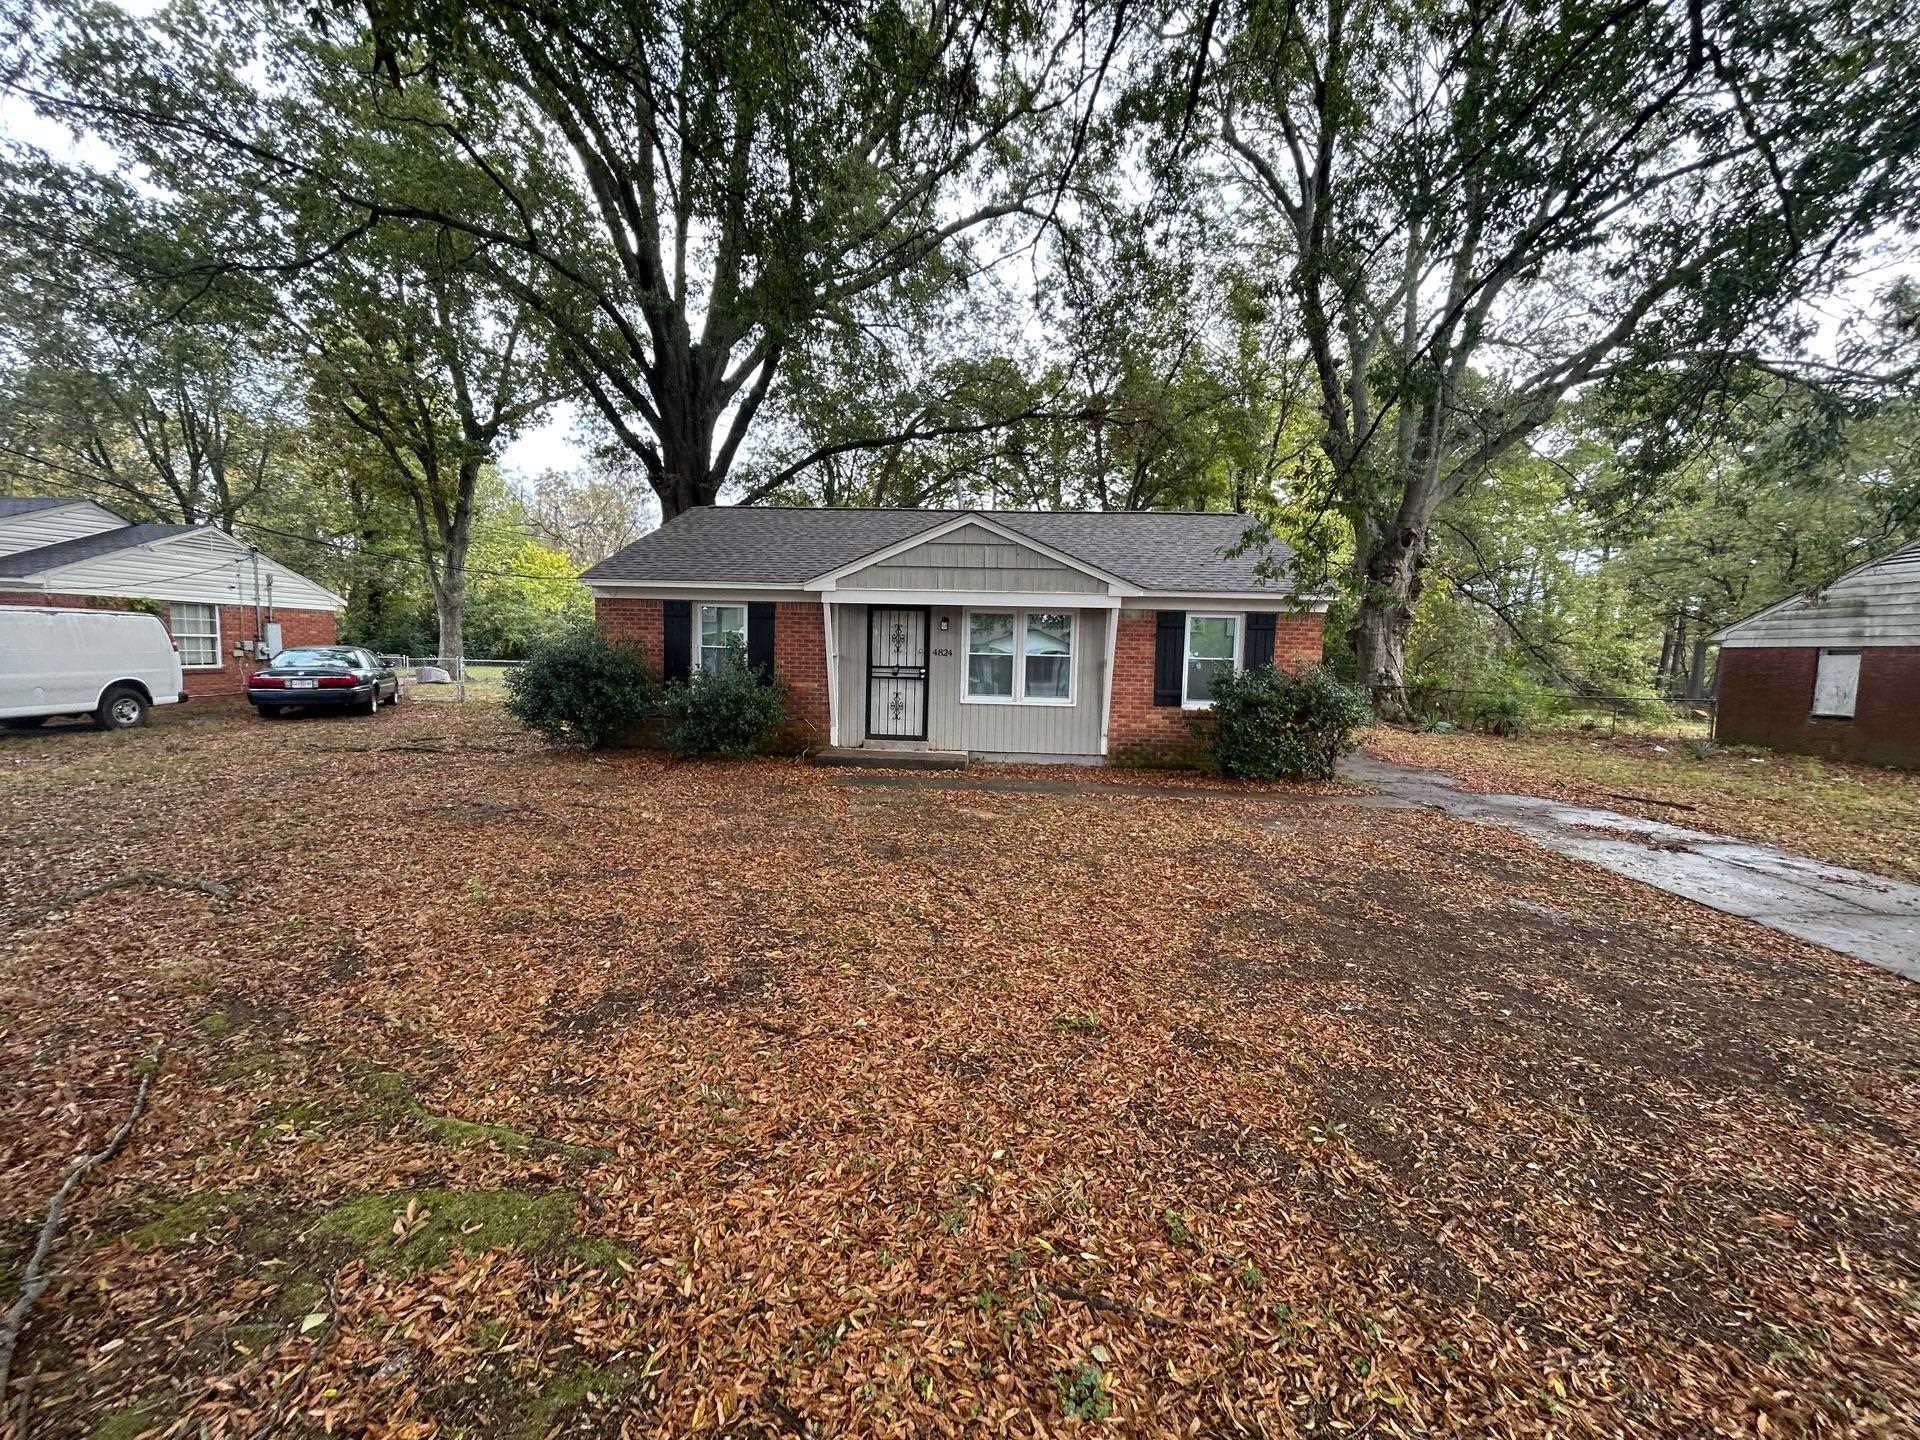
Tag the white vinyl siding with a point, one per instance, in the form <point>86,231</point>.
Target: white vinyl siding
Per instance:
<point>196,631</point>
<point>1836,684</point>
<point>1019,657</point>
<point>1213,648</point>
<point>54,525</point>
<point>716,626</point>
<point>1874,605</point>
<point>206,566</point>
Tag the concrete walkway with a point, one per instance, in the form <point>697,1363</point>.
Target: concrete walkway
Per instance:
<point>1867,916</point>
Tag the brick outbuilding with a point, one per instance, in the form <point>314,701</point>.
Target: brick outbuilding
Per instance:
<point>1833,672</point>
<point>1028,635</point>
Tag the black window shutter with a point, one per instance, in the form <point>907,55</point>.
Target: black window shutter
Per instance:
<point>1259,647</point>
<point>760,639</point>
<point>1169,646</point>
<point>678,655</point>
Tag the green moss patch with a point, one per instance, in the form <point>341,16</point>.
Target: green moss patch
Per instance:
<point>449,1220</point>
<point>393,1100</point>
<point>186,1219</point>
<point>216,1024</point>
<point>569,1391</point>
<point>129,1421</point>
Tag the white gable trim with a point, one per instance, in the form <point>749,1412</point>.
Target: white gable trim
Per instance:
<point>1115,584</point>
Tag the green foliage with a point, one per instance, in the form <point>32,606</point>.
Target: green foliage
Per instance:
<point>725,711</point>
<point>520,597</point>
<point>1269,724</point>
<point>581,688</point>
<point>1083,1393</point>
<point>1509,702</point>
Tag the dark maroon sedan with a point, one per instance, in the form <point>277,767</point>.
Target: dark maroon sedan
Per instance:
<point>335,676</point>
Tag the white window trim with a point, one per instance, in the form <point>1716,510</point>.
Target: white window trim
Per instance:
<point>219,649</point>
<point>1815,714</point>
<point>699,628</point>
<point>1187,657</point>
<point>1019,696</point>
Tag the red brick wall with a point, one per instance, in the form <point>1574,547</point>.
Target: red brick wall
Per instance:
<point>1140,732</point>
<point>800,661</point>
<point>799,653</point>
<point>297,627</point>
<point>640,623</point>
<point>1766,697</point>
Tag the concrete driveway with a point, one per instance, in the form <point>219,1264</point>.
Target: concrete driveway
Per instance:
<point>1867,916</point>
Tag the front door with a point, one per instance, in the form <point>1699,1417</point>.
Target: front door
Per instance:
<point>897,673</point>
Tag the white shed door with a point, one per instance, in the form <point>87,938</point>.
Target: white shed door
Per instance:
<point>1836,684</point>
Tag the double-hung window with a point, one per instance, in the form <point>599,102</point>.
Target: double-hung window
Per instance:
<point>1020,656</point>
<point>1213,649</point>
<point>719,626</point>
<point>196,631</point>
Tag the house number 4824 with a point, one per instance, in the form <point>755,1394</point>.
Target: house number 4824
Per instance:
<point>942,650</point>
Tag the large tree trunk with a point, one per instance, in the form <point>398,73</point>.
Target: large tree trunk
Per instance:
<point>1388,572</point>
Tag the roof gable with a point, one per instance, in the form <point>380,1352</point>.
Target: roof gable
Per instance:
<point>968,527</point>
<point>1877,601</point>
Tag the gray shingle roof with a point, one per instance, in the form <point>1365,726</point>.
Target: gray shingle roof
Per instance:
<point>67,552</point>
<point>27,504</point>
<point>767,545</point>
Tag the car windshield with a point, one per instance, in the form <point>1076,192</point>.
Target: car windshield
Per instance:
<point>314,657</point>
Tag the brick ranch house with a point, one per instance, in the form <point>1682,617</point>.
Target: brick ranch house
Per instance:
<point>1007,635</point>
<point>1834,671</point>
<point>224,602</point>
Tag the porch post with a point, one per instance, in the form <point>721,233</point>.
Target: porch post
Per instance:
<point>1106,680</point>
<point>833,670</point>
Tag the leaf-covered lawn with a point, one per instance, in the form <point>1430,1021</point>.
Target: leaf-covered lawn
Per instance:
<point>1856,815</point>
<point>514,1093</point>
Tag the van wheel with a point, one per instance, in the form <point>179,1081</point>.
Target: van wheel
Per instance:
<point>121,708</point>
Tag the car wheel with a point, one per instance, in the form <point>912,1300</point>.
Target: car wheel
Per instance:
<point>373,702</point>
<point>121,708</point>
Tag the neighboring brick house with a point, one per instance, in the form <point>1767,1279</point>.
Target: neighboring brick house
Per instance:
<point>225,603</point>
<point>1011,635</point>
<point>1833,672</point>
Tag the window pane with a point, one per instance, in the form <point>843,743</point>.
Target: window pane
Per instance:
<point>989,634</point>
<point>990,675</point>
<point>1048,677</point>
<point>1211,637</point>
<point>1049,633</point>
<point>1200,675</point>
<point>717,622</point>
<point>196,631</point>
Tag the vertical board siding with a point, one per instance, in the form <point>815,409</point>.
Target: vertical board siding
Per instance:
<point>971,558</point>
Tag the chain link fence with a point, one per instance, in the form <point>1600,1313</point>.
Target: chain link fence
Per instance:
<point>453,678</point>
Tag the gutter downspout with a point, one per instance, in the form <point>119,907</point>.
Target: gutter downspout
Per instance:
<point>257,617</point>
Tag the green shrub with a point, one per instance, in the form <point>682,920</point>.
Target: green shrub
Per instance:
<point>1267,724</point>
<point>1507,702</point>
<point>581,688</point>
<point>726,711</point>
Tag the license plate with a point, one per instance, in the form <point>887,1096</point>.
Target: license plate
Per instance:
<point>301,684</point>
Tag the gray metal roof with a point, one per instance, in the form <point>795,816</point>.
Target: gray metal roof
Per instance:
<point>68,552</point>
<point>1178,551</point>
<point>27,504</point>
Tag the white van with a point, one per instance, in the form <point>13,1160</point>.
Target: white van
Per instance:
<point>114,665</point>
